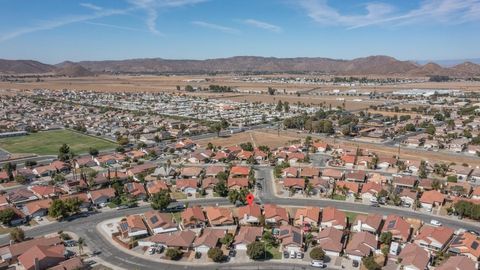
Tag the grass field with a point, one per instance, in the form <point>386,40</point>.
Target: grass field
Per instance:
<point>48,142</point>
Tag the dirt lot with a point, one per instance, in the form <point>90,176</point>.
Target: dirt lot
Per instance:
<point>257,138</point>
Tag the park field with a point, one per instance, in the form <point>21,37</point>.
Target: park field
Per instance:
<point>48,142</point>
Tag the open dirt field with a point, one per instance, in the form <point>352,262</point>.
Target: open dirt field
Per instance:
<point>270,137</point>
<point>257,138</point>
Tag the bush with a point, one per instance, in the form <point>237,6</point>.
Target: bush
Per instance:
<point>256,250</point>
<point>173,254</point>
<point>216,254</point>
<point>370,263</point>
<point>317,253</point>
<point>17,235</point>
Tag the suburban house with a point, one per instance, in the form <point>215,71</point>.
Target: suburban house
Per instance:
<point>466,244</point>
<point>214,170</point>
<point>367,223</point>
<point>458,263</point>
<point>399,228</point>
<point>309,172</point>
<point>237,183</point>
<point>307,217</point>
<point>290,172</point>
<point>187,186</point>
<point>249,214</point>
<point>275,215</point>
<point>331,241</point>
<point>431,199</point>
<point>404,182</point>
<point>209,238</point>
<point>291,238</point>
<point>21,196</point>
<point>433,238</point>
<point>135,190</point>
<point>332,174</point>
<point>133,226</point>
<point>414,257</point>
<point>247,235</point>
<point>44,192</point>
<point>408,197</point>
<point>239,171</point>
<point>332,217</point>
<point>37,208</point>
<point>295,184</point>
<point>191,172</point>
<point>154,187</point>
<point>370,191</point>
<point>361,245</point>
<point>100,197</point>
<point>193,217</point>
<point>182,240</point>
<point>349,188</point>
<point>159,222</point>
<point>219,216</point>
<point>42,257</point>
<point>356,176</point>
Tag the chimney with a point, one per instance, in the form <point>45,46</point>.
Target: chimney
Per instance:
<point>359,224</point>
<point>301,219</point>
<point>36,263</point>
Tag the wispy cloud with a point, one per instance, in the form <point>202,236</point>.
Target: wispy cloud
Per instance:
<point>120,27</point>
<point>217,27</point>
<point>375,13</point>
<point>91,6</point>
<point>52,24</point>
<point>263,25</point>
<point>151,8</point>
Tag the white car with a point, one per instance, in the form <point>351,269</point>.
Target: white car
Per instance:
<point>317,264</point>
<point>435,222</point>
<point>292,255</point>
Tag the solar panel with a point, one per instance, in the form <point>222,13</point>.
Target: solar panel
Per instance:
<point>124,226</point>
<point>474,245</point>
<point>154,219</point>
<point>297,238</point>
<point>391,224</point>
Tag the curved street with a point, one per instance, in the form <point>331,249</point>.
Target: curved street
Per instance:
<point>86,227</point>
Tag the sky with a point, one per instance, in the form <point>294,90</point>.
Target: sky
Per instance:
<point>53,31</point>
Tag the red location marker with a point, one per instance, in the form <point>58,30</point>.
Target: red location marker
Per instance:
<point>250,198</point>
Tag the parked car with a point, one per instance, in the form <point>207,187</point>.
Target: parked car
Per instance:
<point>435,222</point>
<point>317,264</point>
<point>292,254</point>
<point>151,251</point>
<point>286,255</point>
<point>299,255</point>
<point>355,263</point>
<point>232,253</point>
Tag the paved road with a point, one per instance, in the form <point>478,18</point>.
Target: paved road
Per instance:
<point>86,227</point>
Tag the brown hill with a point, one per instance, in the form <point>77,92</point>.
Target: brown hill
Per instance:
<point>71,69</point>
<point>23,67</point>
<point>428,70</point>
<point>467,68</point>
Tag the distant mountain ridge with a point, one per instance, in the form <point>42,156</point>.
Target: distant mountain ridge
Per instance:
<point>371,65</point>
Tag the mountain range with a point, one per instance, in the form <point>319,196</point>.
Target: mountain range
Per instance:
<point>371,65</point>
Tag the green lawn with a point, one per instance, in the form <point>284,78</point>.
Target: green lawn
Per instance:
<point>48,142</point>
<point>339,197</point>
<point>351,216</point>
<point>273,253</point>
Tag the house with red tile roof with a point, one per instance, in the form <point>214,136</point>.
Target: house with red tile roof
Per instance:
<point>159,222</point>
<point>414,257</point>
<point>101,196</point>
<point>154,187</point>
<point>476,193</point>
<point>332,174</point>
<point>290,172</point>
<point>139,171</point>
<point>44,192</point>
<point>332,217</point>
<point>133,226</point>
<point>457,263</point>
<point>82,197</point>
<point>309,172</point>
<point>237,183</point>
<point>466,244</point>
<point>275,215</point>
<point>404,182</point>
<point>356,176</point>
<point>361,245</point>
<point>249,214</point>
<point>370,191</point>
<point>367,223</point>
<point>399,228</point>
<point>135,190</point>
<point>214,170</point>
<point>239,171</point>
<point>307,217</point>
<point>37,208</point>
<point>219,216</point>
<point>408,197</point>
<point>86,161</point>
<point>297,184</point>
<point>191,172</point>
<point>321,147</point>
<point>291,238</point>
<point>246,236</point>
<point>209,238</point>
<point>331,241</point>
<point>209,183</point>
<point>351,188</point>
<point>12,251</point>
<point>433,238</point>
<point>187,186</point>
<point>193,217</point>
<point>73,263</point>
<point>18,216</point>
<point>42,257</point>
<point>182,240</point>
<point>431,199</point>
<point>348,160</point>
<point>319,186</point>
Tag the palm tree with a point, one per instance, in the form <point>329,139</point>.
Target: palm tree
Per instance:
<point>81,243</point>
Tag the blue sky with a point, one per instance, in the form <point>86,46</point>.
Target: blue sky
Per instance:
<point>56,30</point>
